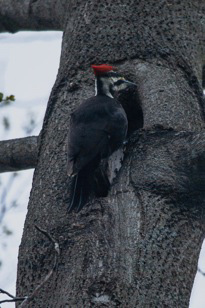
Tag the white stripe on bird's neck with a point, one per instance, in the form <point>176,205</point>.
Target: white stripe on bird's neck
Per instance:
<point>105,87</point>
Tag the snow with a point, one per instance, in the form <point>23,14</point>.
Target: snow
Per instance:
<point>28,64</point>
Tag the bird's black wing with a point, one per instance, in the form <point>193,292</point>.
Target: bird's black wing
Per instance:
<point>98,127</point>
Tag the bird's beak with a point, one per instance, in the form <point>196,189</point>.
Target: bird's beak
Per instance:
<point>129,83</point>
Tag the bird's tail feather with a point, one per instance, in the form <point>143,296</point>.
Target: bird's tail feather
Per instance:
<point>91,180</point>
<point>81,189</point>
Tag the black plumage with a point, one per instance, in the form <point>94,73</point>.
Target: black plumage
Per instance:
<point>98,128</point>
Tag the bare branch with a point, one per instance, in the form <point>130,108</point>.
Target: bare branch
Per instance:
<point>40,285</point>
<point>14,299</point>
<point>27,299</point>
<point>7,293</point>
<point>56,245</point>
<point>18,154</point>
<point>201,272</point>
<point>32,15</point>
<point>30,298</point>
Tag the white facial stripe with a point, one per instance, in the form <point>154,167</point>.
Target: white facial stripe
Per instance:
<point>106,87</point>
<point>109,82</point>
<point>122,86</point>
<point>106,90</point>
<point>115,79</point>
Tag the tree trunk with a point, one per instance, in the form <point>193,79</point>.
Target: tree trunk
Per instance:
<point>139,246</point>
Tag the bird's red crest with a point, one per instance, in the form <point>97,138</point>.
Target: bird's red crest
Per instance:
<point>103,68</point>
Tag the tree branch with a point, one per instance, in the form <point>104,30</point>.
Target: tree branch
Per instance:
<point>27,299</point>
<point>18,154</point>
<point>32,15</point>
<point>13,298</point>
<point>201,272</point>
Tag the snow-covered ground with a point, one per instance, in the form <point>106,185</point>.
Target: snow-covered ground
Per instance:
<point>28,66</point>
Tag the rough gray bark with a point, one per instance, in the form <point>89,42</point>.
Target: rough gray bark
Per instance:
<point>18,154</point>
<point>18,15</point>
<point>139,246</point>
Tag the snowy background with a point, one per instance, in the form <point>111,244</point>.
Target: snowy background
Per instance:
<point>28,66</point>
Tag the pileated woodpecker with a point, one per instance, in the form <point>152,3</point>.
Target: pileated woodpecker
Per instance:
<point>98,128</point>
